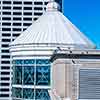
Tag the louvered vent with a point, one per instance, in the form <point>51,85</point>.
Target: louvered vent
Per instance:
<point>89,84</point>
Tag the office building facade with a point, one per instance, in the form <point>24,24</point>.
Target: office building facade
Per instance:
<point>15,17</point>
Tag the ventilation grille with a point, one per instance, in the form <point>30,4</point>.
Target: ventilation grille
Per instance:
<point>89,84</point>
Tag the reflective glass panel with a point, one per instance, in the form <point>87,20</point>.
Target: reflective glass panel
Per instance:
<point>17,92</point>
<point>17,75</point>
<point>31,72</point>
<point>18,62</point>
<point>42,94</point>
<point>29,61</point>
<point>28,93</point>
<point>42,61</point>
<point>28,75</point>
<point>43,75</point>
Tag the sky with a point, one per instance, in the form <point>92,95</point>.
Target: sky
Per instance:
<point>85,14</point>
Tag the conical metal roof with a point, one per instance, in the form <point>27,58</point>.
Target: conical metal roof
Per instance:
<point>53,28</point>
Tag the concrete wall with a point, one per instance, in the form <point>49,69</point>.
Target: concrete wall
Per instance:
<point>65,76</point>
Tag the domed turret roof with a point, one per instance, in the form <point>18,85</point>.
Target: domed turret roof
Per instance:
<point>53,28</point>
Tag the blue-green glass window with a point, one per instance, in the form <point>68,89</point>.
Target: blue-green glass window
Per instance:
<point>28,93</point>
<point>42,67</point>
<point>17,92</point>
<point>31,72</point>
<point>28,78</point>
<point>29,61</point>
<point>43,75</point>
<point>18,62</point>
<point>17,75</point>
<point>42,61</point>
<point>42,94</point>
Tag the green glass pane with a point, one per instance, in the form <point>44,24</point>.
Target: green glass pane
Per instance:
<point>28,75</point>
<point>28,93</point>
<point>17,75</point>
<point>29,61</point>
<point>42,61</point>
<point>43,75</point>
<point>42,94</point>
<point>19,62</point>
<point>17,92</point>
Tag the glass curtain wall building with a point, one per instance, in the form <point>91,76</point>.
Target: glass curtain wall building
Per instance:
<point>15,17</point>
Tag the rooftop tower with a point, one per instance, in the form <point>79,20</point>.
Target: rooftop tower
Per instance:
<point>15,17</point>
<point>32,50</point>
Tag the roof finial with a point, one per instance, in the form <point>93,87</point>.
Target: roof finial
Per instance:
<point>52,5</point>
